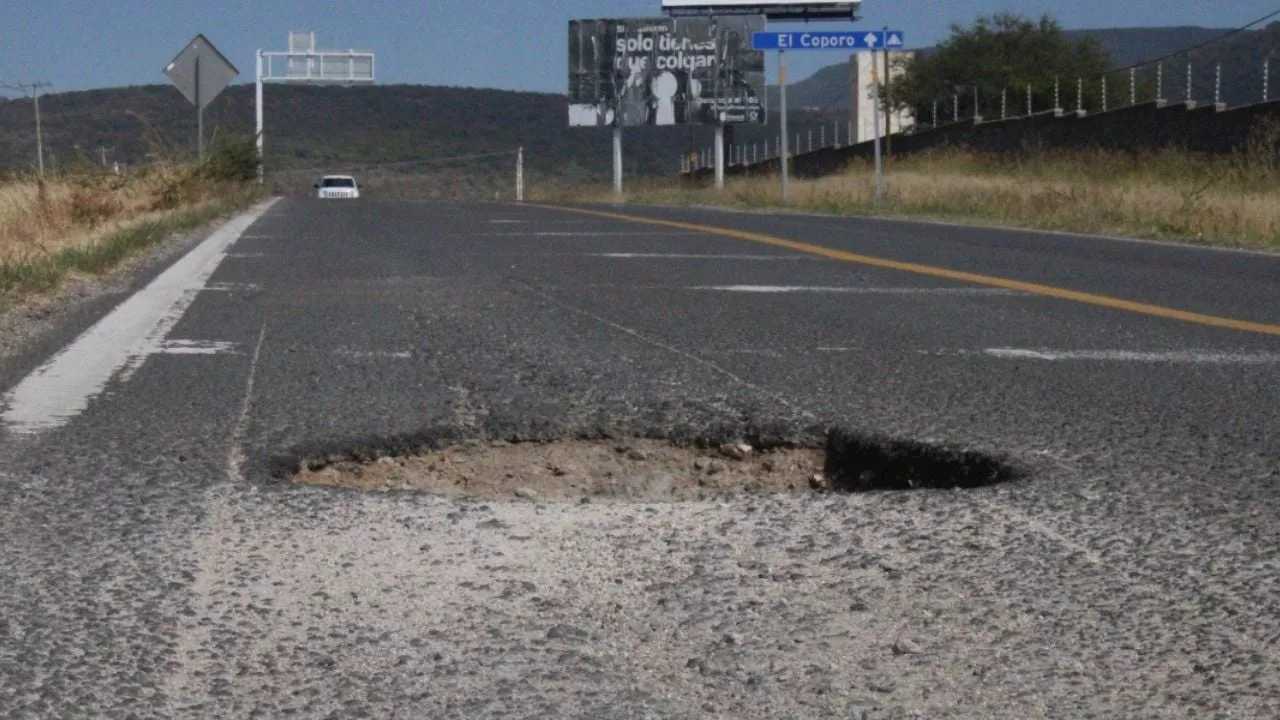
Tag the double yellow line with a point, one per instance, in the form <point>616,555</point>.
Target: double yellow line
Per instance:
<point>945,273</point>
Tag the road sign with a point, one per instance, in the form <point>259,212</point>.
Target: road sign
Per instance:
<point>200,72</point>
<point>844,40</point>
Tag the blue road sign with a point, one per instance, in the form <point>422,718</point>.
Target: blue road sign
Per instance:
<point>848,40</point>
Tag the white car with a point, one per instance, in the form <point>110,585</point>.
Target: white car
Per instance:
<point>337,186</point>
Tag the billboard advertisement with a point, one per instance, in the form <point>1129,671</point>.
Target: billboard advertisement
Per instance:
<point>665,71</point>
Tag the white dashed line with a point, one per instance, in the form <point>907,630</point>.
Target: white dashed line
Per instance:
<point>366,354</point>
<point>1173,356</point>
<point>197,347</point>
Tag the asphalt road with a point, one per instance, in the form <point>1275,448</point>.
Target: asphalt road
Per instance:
<point>154,564</point>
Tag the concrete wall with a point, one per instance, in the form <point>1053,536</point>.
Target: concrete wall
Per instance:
<point>1150,126</point>
<point>862,110</point>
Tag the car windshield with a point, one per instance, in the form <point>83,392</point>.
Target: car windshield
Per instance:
<point>338,183</point>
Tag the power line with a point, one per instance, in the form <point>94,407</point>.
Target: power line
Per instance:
<point>1203,44</point>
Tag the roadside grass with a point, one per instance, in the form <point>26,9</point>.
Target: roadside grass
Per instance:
<point>1219,200</point>
<point>86,223</point>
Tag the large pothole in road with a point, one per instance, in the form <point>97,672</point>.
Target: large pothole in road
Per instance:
<point>649,470</point>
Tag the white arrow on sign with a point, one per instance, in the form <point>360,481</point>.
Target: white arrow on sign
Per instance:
<point>893,41</point>
<point>871,39</point>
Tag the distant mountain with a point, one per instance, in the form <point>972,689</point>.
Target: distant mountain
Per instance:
<point>331,127</point>
<point>1241,55</point>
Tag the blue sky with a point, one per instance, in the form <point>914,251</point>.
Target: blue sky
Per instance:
<point>513,44</point>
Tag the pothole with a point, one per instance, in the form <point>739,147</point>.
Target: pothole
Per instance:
<point>651,470</point>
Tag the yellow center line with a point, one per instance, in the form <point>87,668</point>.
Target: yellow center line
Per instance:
<point>945,273</point>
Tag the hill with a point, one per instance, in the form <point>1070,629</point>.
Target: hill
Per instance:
<point>1241,55</point>
<point>330,127</point>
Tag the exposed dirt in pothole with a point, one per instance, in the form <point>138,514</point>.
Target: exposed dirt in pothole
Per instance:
<point>653,470</point>
<point>632,471</point>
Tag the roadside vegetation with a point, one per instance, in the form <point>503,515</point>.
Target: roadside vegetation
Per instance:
<point>86,221</point>
<point>1220,200</point>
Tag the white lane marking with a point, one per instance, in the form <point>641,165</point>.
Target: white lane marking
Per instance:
<point>230,287</point>
<point>853,290</point>
<point>549,233</point>
<point>697,256</point>
<point>62,387</point>
<point>197,347</point>
<point>539,222</point>
<point>397,354</point>
<point>1203,357</point>
<point>241,256</point>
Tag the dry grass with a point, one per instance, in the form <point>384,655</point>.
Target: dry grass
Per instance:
<point>87,223</point>
<point>1232,201</point>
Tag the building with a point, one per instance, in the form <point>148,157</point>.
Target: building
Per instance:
<point>862,111</point>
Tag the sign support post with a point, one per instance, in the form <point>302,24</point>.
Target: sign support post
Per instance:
<point>875,104</point>
<point>199,115</point>
<point>846,40</point>
<point>305,65</point>
<point>200,73</point>
<point>782,88</point>
<point>257,113</point>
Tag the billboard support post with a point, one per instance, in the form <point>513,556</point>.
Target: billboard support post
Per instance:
<point>617,163</point>
<point>782,90</point>
<point>720,157</point>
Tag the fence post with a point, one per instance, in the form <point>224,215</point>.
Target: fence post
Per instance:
<point>1104,93</point>
<point>935,112</point>
<point>822,136</point>
<point>1217,84</point>
<point>1030,107</point>
<point>1057,94</point>
<point>1189,90</point>
<point>1133,86</point>
<point>1159,82</point>
<point>1266,80</point>
<point>977,110</point>
<point>1004,103</point>
<point>955,115</point>
<point>1079,96</point>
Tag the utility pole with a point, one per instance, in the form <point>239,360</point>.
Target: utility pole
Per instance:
<point>102,150</point>
<point>34,88</point>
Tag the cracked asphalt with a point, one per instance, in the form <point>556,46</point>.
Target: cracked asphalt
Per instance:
<point>153,563</point>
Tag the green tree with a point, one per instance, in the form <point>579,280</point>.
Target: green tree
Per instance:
<point>999,53</point>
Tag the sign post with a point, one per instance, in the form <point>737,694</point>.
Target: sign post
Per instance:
<point>843,40</point>
<point>782,91</point>
<point>305,65</point>
<point>200,73</point>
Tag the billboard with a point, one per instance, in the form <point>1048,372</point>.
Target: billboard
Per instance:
<point>772,9</point>
<point>665,71</point>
